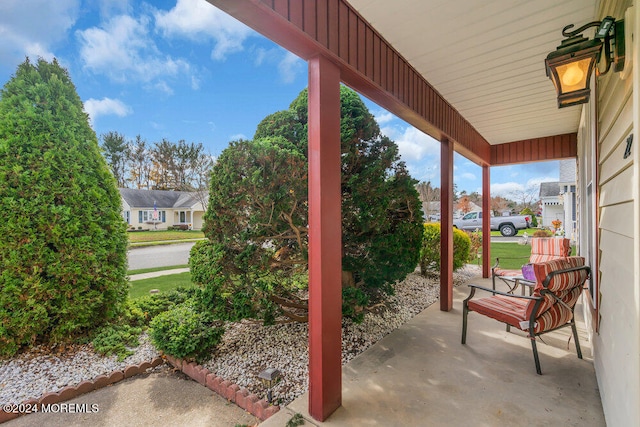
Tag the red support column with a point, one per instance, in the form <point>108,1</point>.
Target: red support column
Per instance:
<point>325,240</point>
<point>446,222</point>
<point>486,221</point>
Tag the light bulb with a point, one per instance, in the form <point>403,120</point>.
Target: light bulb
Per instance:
<point>573,75</point>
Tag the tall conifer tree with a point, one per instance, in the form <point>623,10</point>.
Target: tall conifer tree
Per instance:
<point>62,237</point>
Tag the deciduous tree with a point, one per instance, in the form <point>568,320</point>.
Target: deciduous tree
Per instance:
<point>116,151</point>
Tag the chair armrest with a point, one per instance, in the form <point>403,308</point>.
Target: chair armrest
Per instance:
<point>506,294</point>
<point>497,264</point>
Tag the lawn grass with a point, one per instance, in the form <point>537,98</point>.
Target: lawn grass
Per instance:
<point>142,287</point>
<point>163,235</point>
<point>512,255</point>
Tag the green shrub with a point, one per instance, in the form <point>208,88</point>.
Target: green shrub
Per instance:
<point>430,253</point>
<point>204,262</point>
<point>149,306</point>
<point>475,244</point>
<point>116,339</point>
<point>185,332</point>
<point>63,244</point>
<point>354,301</point>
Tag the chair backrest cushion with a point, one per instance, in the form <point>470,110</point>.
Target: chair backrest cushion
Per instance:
<point>563,281</point>
<point>567,286</point>
<point>545,249</point>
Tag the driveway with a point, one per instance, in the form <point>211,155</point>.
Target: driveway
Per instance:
<point>159,256</point>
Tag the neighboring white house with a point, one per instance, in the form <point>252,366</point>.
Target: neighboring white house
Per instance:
<point>159,209</point>
<point>551,204</point>
<point>558,199</point>
<point>567,185</point>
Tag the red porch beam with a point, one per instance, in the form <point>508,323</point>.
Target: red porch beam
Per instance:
<point>554,147</point>
<point>486,221</point>
<point>325,240</point>
<point>446,225</point>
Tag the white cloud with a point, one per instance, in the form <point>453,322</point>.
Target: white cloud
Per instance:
<point>260,54</point>
<point>34,28</point>
<point>197,19</point>
<point>383,117</point>
<point>467,175</point>
<point>290,66</point>
<point>535,182</point>
<point>157,126</point>
<point>237,137</point>
<point>506,189</point>
<point>413,144</point>
<point>163,87</point>
<point>104,107</point>
<point>109,8</point>
<point>514,189</point>
<point>123,50</point>
<point>195,83</point>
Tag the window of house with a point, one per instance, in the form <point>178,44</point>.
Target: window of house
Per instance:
<point>147,216</point>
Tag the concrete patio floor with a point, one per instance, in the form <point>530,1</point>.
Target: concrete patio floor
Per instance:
<point>421,375</point>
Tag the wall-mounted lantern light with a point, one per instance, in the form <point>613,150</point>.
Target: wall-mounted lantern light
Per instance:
<point>570,66</point>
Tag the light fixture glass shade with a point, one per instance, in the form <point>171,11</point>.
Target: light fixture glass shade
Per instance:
<point>570,67</point>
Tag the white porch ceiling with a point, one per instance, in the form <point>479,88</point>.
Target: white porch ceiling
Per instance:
<point>486,57</point>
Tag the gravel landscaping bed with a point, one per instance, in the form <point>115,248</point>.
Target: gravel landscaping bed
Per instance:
<point>46,369</point>
<point>246,349</point>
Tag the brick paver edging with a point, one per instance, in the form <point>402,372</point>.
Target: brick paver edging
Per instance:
<point>70,392</point>
<point>250,402</point>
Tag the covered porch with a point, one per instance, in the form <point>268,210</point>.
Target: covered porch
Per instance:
<point>420,374</point>
<point>472,76</point>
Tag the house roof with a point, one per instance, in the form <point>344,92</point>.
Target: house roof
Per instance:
<point>163,199</point>
<point>549,189</point>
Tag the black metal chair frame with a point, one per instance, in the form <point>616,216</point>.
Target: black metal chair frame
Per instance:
<point>505,279</point>
<point>533,317</point>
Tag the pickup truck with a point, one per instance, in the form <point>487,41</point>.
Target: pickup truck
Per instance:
<point>508,225</point>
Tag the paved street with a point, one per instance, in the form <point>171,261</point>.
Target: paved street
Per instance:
<point>502,239</point>
<point>178,254</point>
<point>159,256</point>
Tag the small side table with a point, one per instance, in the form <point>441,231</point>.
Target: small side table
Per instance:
<point>524,284</point>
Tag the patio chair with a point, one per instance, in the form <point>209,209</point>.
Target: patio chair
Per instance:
<point>558,287</point>
<point>542,249</point>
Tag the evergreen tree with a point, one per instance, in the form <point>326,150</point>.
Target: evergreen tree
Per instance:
<point>62,238</point>
<point>257,216</point>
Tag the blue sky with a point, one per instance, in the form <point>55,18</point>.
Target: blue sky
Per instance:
<point>182,69</point>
